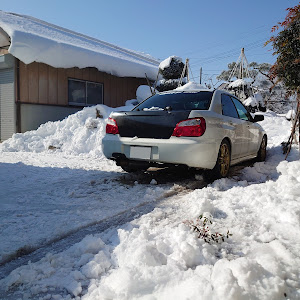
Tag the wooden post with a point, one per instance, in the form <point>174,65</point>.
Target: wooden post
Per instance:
<point>183,73</point>
<point>155,84</point>
<point>148,82</point>
<point>297,118</point>
<point>187,69</point>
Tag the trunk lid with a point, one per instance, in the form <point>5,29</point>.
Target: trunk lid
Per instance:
<point>158,124</point>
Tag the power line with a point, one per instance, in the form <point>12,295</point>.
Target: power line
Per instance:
<point>217,57</point>
<point>214,45</point>
<point>248,46</point>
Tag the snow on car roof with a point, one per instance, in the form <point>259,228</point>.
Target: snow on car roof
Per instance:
<point>185,91</point>
<point>190,87</point>
<point>30,39</point>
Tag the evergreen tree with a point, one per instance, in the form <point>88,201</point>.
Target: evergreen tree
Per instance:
<point>171,73</point>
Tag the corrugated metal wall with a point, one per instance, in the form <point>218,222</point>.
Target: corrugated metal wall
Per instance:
<point>7,104</point>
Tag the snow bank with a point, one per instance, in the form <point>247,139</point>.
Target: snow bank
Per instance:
<point>237,83</point>
<point>143,92</point>
<point>250,101</point>
<point>259,98</point>
<point>80,133</point>
<point>255,101</point>
<point>35,40</point>
<point>290,114</point>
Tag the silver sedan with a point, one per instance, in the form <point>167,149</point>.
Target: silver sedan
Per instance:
<point>201,129</point>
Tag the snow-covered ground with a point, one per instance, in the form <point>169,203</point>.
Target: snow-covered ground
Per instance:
<point>45,194</point>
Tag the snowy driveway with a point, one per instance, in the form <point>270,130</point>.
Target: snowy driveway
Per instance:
<point>45,197</point>
<point>155,255</point>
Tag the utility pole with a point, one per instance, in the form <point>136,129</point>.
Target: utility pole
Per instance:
<point>201,75</point>
<point>187,69</point>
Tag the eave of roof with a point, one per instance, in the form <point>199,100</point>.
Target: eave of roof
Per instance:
<point>31,39</point>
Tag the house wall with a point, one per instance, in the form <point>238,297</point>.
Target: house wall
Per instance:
<point>33,115</point>
<point>7,97</point>
<point>43,84</point>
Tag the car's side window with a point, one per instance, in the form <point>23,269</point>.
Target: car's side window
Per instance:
<point>228,107</point>
<point>242,111</point>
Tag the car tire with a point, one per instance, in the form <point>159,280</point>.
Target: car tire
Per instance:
<point>262,152</point>
<point>222,166</point>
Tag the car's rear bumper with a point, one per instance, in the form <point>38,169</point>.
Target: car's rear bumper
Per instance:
<point>192,152</point>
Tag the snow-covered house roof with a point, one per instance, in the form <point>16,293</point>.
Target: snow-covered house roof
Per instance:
<point>30,39</point>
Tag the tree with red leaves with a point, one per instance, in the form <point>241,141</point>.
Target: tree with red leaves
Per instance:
<point>286,45</point>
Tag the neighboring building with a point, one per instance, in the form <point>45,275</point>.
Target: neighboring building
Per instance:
<point>48,72</point>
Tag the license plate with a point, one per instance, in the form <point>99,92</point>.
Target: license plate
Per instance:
<point>140,152</point>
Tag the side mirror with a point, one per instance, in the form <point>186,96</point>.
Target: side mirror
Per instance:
<point>258,118</point>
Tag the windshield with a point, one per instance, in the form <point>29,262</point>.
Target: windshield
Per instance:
<point>177,101</point>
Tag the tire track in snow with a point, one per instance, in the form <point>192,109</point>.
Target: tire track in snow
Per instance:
<point>183,183</point>
<point>63,242</point>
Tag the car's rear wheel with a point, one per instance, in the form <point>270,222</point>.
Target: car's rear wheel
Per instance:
<point>262,152</point>
<point>221,168</point>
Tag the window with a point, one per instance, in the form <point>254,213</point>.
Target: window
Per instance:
<point>84,93</point>
<point>242,111</point>
<point>228,107</point>
<point>177,101</point>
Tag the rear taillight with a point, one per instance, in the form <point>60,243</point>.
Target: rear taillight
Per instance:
<point>111,126</point>
<point>190,127</point>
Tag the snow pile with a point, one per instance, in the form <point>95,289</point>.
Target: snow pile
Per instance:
<point>259,98</point>
<point>255,102</point>
<point>251,101</point>
<point>35,40</point>
<point>91,254</point>
<point>290,114</point>
<point>80,133</point>
<point>143,92</point>
<point>237,83</point>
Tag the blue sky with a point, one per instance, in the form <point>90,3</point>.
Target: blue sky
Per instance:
<point>210,33</point>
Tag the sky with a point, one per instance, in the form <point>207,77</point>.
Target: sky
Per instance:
<point>209,33</point>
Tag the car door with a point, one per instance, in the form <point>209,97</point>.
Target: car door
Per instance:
<point>234,126</point>
<point>251,132</point>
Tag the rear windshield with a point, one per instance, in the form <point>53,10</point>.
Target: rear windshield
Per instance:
<point>177,101</point>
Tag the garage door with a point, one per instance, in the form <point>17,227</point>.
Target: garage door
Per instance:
<point>7,104</point>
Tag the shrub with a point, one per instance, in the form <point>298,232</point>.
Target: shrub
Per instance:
<point>202,227</point>
<point>173,70</point>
